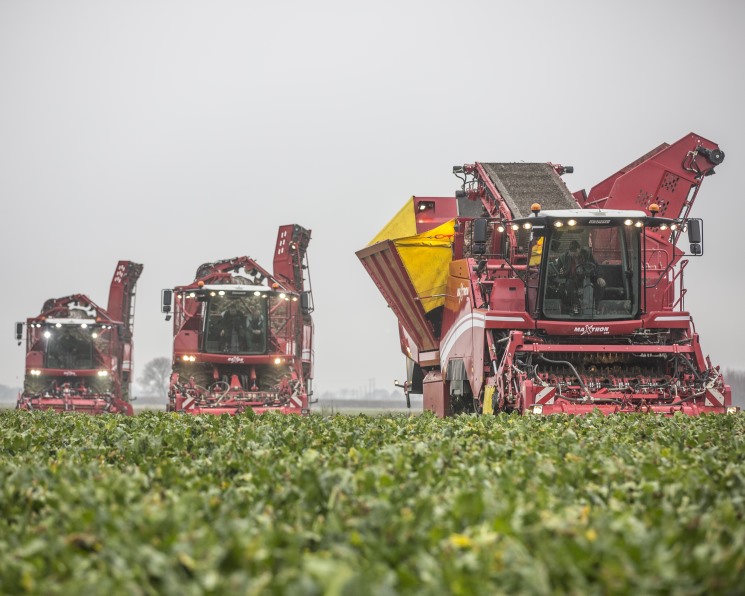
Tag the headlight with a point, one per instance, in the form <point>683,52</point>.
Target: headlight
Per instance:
<point>536,409</point>
<point>103,373</point>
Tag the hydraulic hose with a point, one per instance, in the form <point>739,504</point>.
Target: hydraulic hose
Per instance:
<point>574,370</point>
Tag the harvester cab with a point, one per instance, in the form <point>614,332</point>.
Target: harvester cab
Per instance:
<point>587,264</point>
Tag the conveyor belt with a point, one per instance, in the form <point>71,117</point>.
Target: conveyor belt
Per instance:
<point>522,184</point>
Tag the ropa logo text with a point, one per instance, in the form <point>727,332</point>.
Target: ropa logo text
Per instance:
<point>235,360</point>
<point>70,373</point>
<point>591,329</point>
<point>598,222</point>
<point>462,292</point>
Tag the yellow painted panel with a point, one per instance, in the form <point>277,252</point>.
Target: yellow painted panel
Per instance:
<point>427,258</point>
<point>402,225</point>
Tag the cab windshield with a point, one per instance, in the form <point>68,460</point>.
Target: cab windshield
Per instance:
<point>589,272</point>
<point>69,347</point>
<point>236,324</point>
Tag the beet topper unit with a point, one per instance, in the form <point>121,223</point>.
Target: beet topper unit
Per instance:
<point>243,337</point>
<point>79,357</point>
<point>517,295</point>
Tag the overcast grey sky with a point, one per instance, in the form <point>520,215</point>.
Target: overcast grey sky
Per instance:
<point>175,133</point>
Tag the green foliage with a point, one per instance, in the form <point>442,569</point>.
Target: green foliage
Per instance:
<point>172,504</point>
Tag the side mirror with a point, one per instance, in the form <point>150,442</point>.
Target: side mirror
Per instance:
<point>479,236</point>
<point>19,332</point>
<point>306,302</point>
<point>166,303</point>
<point>696,236</point>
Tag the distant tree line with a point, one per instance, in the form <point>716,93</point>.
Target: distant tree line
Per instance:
<point>155,377</point>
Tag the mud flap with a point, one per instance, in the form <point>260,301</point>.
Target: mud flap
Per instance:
<point>435,399</point>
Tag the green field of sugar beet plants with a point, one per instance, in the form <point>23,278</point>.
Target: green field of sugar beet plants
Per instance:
<point>171,504</point>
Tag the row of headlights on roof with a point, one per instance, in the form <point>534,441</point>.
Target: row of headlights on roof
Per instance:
<point>191,358</point>
<point>573,222</point>
<point>213,293</point>
<point>48,334</point>
<point>36,372</point>
<point>59,325</point>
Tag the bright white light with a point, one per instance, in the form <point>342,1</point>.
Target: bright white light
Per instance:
<point>572,222</point>
<point>103,373</point>
<point>527,225</point>
<point>257,293</point>
<point>221,292</point>
<point>674,227</point>
<point>192,295</point>
<point>663,227</point>
<point>558,224</point>
<point>58,325</point>
<point>94,335</point>
<point>515,227</point>
<point>84,326</point>
<point>627,222</point>
<point>638,224</point>
<point>47,334</point>
<point>277,361</point>
<point>282,295</point>
<point>500,229</point>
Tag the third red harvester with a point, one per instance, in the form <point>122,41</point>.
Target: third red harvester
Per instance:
<point>243,337</point>
<point>517,295</point>
<point>79,357</point>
